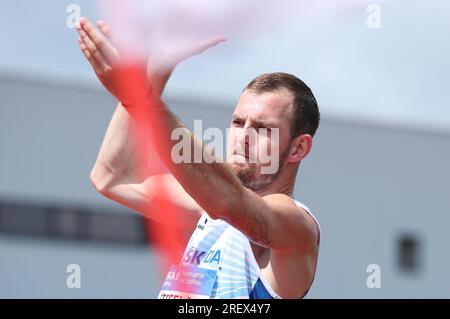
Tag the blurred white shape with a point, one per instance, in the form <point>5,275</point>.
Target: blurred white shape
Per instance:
<point>160,26</point>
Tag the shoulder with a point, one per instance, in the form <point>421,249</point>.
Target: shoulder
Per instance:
<point>297,215</point>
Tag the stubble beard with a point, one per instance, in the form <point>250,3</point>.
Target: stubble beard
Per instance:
<point>251,177</point>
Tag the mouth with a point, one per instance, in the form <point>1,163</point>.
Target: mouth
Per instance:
<point>242,154</point>
<point>242,159</point>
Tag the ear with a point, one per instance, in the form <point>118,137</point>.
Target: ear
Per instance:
<point>300,148</point>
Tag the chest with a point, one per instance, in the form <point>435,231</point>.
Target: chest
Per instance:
<point>214,242</point>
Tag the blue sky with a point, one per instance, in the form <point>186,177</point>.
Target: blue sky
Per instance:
<point>398,74</point>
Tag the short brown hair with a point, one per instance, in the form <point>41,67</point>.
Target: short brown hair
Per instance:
<point>306,115</point>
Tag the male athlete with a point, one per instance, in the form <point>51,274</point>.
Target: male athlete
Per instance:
<point>249,237</point>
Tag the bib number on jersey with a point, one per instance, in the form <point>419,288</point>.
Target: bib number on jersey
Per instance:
<point>188,282</point>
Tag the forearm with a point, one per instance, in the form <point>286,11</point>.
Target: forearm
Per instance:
<point>124,154</point>
<point>200,180</point>
<point>117,157</point>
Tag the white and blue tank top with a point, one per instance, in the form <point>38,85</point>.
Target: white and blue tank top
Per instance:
<point>218,263</point>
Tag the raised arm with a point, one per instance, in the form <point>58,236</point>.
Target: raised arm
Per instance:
<point>121,170</point>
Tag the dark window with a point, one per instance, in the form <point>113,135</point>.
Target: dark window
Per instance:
<point>409,253</point>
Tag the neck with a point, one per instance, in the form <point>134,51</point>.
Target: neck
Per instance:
<point>279,187</point>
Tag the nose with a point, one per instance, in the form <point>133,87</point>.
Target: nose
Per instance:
<point>246,142</point>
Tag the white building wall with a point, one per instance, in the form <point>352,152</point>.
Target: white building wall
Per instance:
<point>366,184</point>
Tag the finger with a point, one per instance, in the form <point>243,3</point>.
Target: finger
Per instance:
<point>93,50</point>
<point>88,46</point>
<point>105,29</point>
<point>205,44</point>
<point>100,41</point>
<point>88,54</point>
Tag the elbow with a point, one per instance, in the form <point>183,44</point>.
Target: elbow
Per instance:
<point>99,182</point>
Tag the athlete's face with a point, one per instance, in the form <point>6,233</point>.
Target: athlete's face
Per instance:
<point>259,138</point>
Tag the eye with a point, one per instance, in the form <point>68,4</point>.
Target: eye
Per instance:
<point>268,129</point>
<point>237,123</point>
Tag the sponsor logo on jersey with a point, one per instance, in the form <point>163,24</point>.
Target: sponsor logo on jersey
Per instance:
<point>195,256</point>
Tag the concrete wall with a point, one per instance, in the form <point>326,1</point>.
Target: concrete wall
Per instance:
<point>368,184</point>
